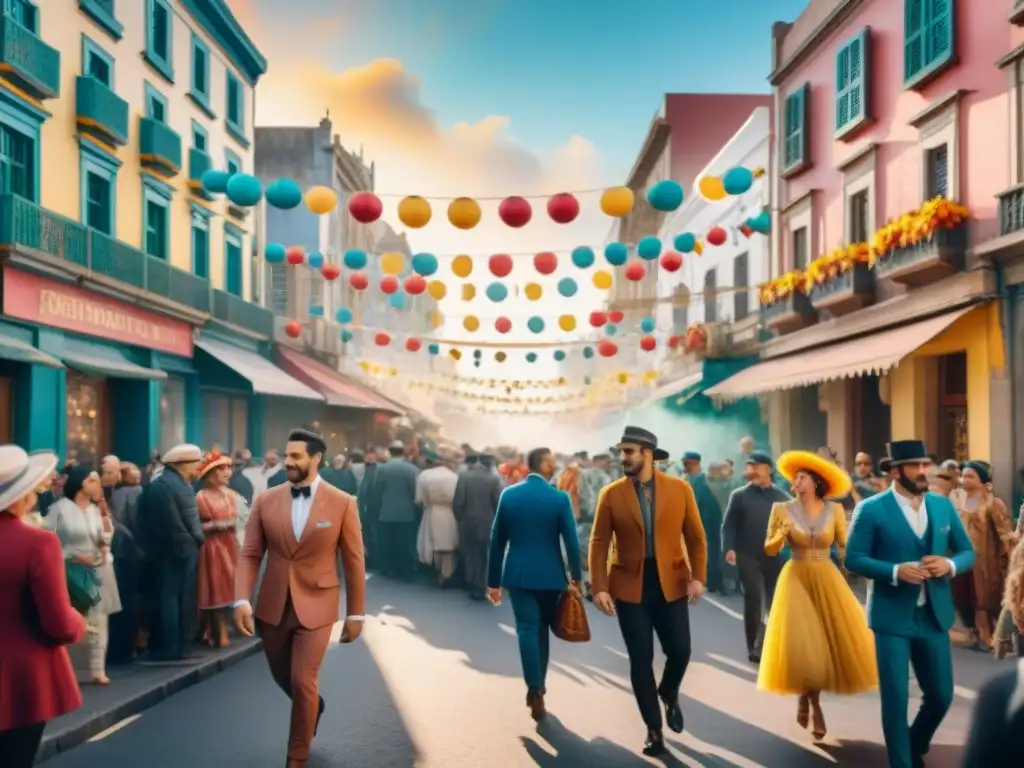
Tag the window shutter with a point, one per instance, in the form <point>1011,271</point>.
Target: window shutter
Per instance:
<point>796,127</point>
<point>842,87</point>
<point>913,38</point>
<point>853,80</point>
<point>940,32</point>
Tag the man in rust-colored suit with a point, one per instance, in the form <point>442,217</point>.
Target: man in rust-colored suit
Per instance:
<point>302,525</point>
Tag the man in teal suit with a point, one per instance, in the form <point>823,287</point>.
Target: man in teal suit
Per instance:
<point>910,543</point>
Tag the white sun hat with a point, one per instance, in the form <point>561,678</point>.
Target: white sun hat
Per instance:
<point>21,472</point>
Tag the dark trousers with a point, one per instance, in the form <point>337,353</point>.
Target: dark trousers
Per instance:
<point>473,551</point>
<point>18,746</point>
<point>124,624</point>
<point>397,545</point>
<point>716,582</point>
<point>639,622</point>
<point>177,609</point>
<point>758,575</point>
<point>534,610</point>
<point>370,545</point>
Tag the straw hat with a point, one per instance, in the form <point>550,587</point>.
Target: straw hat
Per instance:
<point>837,482</point>
<point>212,461</point>
<point>21,472</point>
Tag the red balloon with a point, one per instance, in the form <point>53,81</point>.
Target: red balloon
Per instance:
<point>671,261</point>
<point>330,271</point>
<point>648,343</point>
<point>415,285</point>
<point>717,236</point>
<point>358,281</point>
<point>598,319</point>
<point>293,328</point>
<point>412,345</point>
<point>545,263</point>
<point>635,270</point>
<point>563,208</point>
<point>381,339</point>
<point>500,265</point>
<point>615,316</point>
<point>503,325</point>
<point>389,284</point>
<point>674,341</point>
<point>365,207</point>
<point>607,348</point>
<point>295,255</point>
<point>515,211</point>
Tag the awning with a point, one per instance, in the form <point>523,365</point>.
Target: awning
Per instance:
<point>265,377</point>
<point>336,388</point>
<point>675,387</point>
<point>108,363</point>
<point>874,354</point>
<point>18,351</point>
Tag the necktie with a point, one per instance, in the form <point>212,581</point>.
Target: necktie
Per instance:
<point>302,490</point>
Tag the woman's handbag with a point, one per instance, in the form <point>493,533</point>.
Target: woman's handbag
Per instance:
<point>83,586</point>
<point>571,623</point>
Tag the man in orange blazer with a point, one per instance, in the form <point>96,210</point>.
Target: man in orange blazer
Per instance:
<point>302,525</point>
<point>658,567</point>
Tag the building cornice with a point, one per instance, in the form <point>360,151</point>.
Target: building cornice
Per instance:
<point>219,23</point>
<point>835,19</point>
<point>653,146</point>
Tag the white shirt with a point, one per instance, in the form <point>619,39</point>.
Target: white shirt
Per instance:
<point>260,476</point>
<point>917,519</point>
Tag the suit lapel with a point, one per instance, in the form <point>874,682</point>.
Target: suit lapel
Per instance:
<point>899,520</point>
<point>283,507</point>
<point>633,503</point>
<point>933,524</point>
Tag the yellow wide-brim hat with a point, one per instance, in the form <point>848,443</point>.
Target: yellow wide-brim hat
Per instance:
<point>837,481</point>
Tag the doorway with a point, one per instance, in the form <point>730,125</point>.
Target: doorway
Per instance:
<point>872,422</point>
<point>953,407</point>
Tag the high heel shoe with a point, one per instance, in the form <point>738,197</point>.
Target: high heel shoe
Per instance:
<point>803,711</point>
<point>818,727</point>
<point>535,701</point>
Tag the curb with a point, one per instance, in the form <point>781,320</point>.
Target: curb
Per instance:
<point>58,741</point>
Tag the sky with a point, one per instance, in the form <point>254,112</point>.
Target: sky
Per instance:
<point>488,98</point>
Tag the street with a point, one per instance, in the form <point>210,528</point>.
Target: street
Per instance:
<point>434,682</point>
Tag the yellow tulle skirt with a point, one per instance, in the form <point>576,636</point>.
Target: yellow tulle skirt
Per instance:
<point>817,638</point>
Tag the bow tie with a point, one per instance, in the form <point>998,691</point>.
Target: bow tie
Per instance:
<point>302,490</point>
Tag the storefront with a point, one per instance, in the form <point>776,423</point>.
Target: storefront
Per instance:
<point>87,373</point>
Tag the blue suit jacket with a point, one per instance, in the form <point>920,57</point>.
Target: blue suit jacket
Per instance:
<point>531,522</point>
<point>880,539</point>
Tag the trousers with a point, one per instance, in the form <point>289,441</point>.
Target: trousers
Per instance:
<point>758,575</point>
<point>396,544</point>
<point>18,746</point>
<point>177,609</point>
<point>534,611</point>
<point>474,558</point>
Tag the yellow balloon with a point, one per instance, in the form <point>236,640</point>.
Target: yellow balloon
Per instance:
<point>392,263</point>
<point>436,290</point>
<point>436,318</point>
<point>533,291</point>
<point>468,291</point>
<point>462,266</point>
<point>464,212</point>
<point>602,280</point>
<point>321,200</point>
<point>500,356</point>
<point>455,354</point>
<point>617,201</point>
<point>414,212</point>
<point>623,377</point>
<point>471,323</point>
<point>567,323</point>
<point>698,248</point>
<point>711,188</point>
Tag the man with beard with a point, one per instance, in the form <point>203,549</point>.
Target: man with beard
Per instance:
<point>901,540</point>
<point>659,567</point>
<point>476,500</point>
<point>303,527</point>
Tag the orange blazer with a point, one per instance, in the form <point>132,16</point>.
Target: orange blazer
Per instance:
<point>679,542</point>
<point>306,570</point>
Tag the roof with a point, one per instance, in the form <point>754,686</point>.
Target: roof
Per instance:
<point>338,390</point>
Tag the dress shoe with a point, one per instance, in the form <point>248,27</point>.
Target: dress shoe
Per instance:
<point>654,745</point>
<point>535,701</point>
<point>754,657</point>
<point>673,713</point>
<point>319,713</point>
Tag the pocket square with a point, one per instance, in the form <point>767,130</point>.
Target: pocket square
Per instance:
<point>323,523</point>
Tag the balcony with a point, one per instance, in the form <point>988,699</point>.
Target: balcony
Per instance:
<point>847,292</point>
<point>234,310</point>
<point>790,314</point>
<point>28,62</point>
<point>199,162</point>
<point>927,262</point>
<point>159,147</point>
<point>100,112</point>
<point>47,241</point>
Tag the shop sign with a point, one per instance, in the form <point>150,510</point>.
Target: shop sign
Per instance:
<point>38,300</point>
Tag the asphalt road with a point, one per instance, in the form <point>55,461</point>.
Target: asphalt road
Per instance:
<point>434,683</point>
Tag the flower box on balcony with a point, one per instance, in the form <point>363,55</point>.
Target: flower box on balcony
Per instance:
<point>791,313</point>
<point>927,262</point>
<point>846,292</point>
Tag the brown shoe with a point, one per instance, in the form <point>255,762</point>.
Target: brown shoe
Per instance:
<point>535,701</point>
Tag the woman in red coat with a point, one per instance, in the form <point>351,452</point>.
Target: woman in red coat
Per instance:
<point>36,618</point>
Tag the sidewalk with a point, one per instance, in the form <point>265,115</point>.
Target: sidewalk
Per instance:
<point>134,688</point>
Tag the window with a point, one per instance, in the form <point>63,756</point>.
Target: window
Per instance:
<point>852,81</point>
<point>710,296</point>
<point>156,229</point>
<point>160,37</point>
<point>235,109</point>
<point>858,212</point>
<point>200,92</point>
<point>156,104</point>
<point>200,138</point>
<point>795,142</point>
<point>17,163</point>
<point>937,171</point>
<point>741,281</point>
<point>233,164</point>
<point>99,195</point>
<point>800,248</point>
<point>102,13</point>
<point>929,30</point>
<point>172,412</point>
<point>23,12</point>
<point>97,63</point>
<point>233,260</point>
<point>200,244</point>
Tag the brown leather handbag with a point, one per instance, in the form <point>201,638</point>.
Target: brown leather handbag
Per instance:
<point>571,623</point>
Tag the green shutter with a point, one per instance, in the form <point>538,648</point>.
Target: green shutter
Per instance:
<point>913,38</point>
<point>795,148</point>
<point>852,80</point>
<point>929,38</point>
<point>939,42</point>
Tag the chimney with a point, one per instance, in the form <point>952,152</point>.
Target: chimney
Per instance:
<point>779,31</point>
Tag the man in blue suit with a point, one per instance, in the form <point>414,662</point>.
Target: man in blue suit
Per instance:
<point>532,522</point>
<point>902,540</point>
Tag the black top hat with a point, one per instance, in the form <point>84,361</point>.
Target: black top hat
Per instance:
<point>646,439</point>
<point>904,452</point>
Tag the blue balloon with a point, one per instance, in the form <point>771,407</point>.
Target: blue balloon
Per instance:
<point>343,315</point>
<point>531,357</point>
<point>496,291</point>
<point>354,259</point>
<point>686,242</point>
<point>762,223</point>
<point>433,349</point>
<point>476,363</point>
<point>588,352</point>
<point>535,324</point>
<point>567,287</point>
<point>477,354</point>
<point>738,180</point>
<point>315,259</point>
<point>665,195</point>
<point>611,329</point>
<point>647,325</point>
<point>616,254</point>
<point>215,181</point>
<point>284,194</point>
<point>583,257</point>
<point>316,311</point>
<point>244,189</point>
<point>275,253</point>
<point>424,264</point>
<point>346,336</point>
<point>649,248</point>
<point>559,355</point>
<point>397,300</point>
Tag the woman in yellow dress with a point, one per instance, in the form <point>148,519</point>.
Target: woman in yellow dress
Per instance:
<point>817,638</point>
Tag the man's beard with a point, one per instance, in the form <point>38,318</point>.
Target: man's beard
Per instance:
<point>296,474</point>
<point>915,486</point>
<point>630,469</point>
